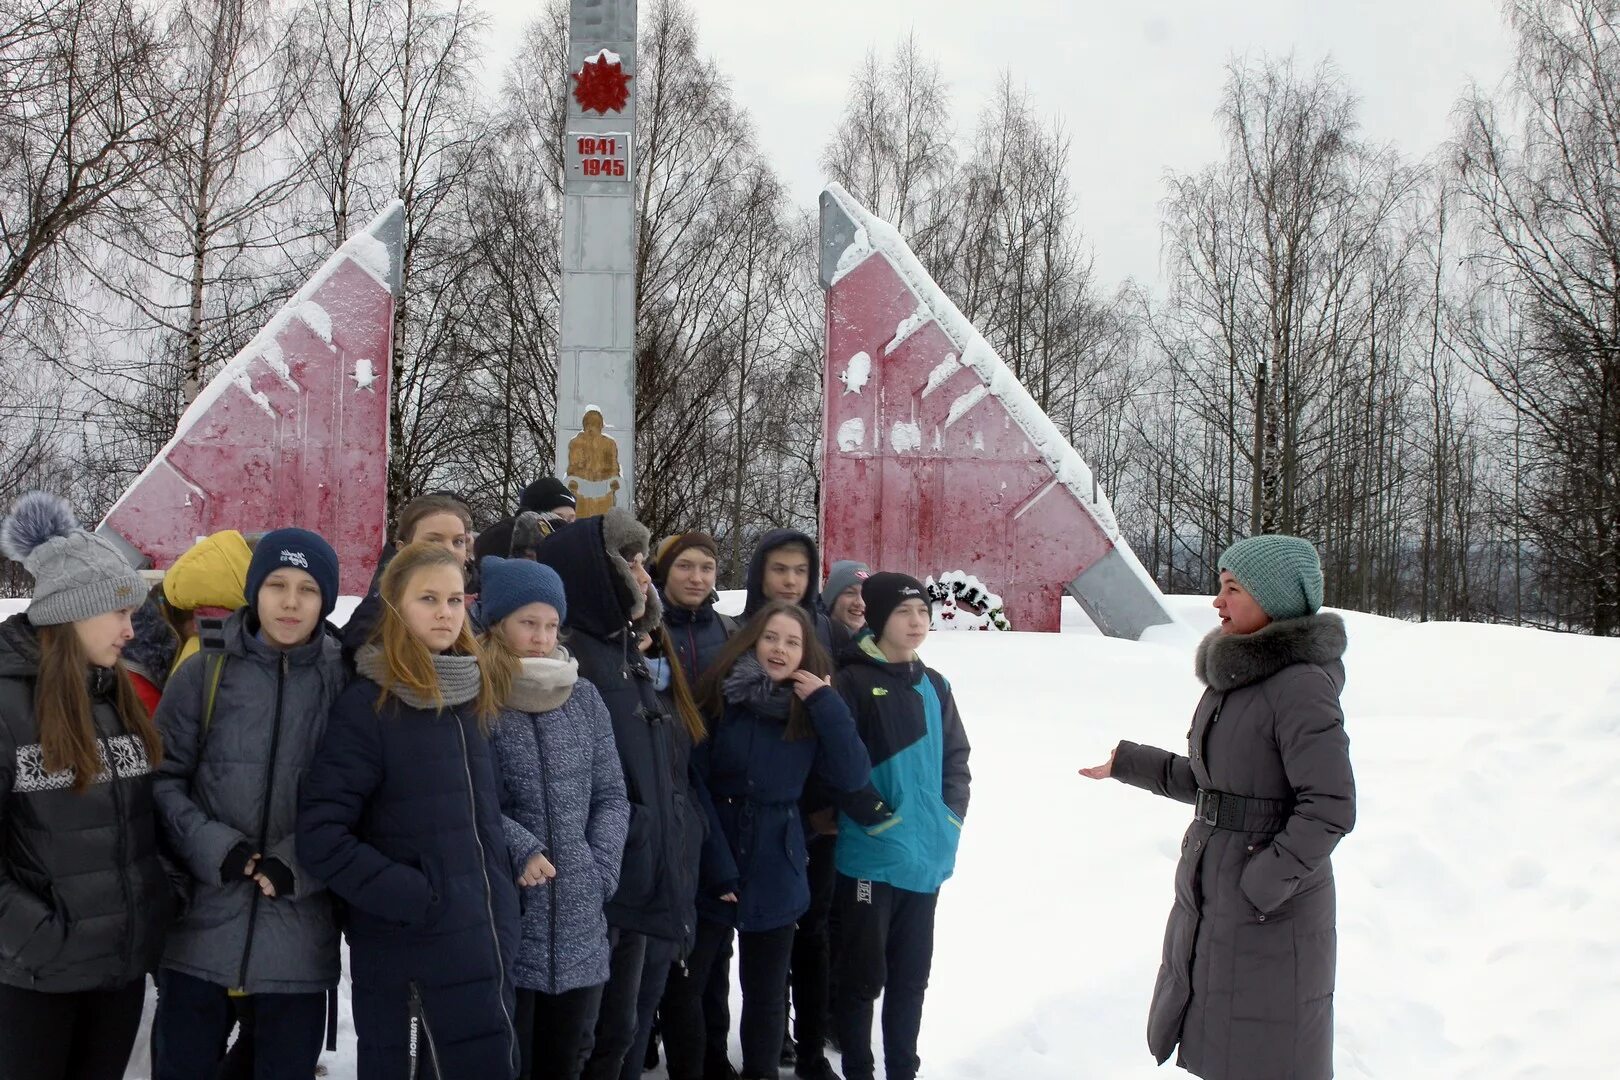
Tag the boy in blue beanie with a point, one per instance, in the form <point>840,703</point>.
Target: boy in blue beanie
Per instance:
<point>240,721</point>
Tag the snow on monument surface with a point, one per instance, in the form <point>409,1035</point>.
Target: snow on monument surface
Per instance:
<point>935,457</point>
<point>293,430</point>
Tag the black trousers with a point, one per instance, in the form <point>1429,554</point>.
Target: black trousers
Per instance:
<point>87,1035</point>
<point>762,970</point>
<point>616,1018</point>
<point>885,946</point>
<point>557,1031</point>
<point>655,969</point>
<point>195,1017</point>
<point>812,955</point>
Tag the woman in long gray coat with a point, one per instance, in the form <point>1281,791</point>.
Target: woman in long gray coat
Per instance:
<point>1246,982</point>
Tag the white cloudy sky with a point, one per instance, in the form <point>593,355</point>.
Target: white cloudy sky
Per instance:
<point>1136,81</point>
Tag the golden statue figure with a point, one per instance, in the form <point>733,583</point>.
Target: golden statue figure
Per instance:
<point>593,457</point>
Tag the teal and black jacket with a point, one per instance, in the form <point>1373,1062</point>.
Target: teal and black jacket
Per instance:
<point>906,715</point>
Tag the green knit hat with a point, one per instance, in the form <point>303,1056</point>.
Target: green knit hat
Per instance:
<point>1282,573</point>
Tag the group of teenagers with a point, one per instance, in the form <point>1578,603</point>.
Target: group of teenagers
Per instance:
<point>538,782</point>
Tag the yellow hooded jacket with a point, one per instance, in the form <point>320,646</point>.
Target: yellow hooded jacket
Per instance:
<point>211,574</point>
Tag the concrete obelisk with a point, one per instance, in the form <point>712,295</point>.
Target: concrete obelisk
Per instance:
<point>596,373</point>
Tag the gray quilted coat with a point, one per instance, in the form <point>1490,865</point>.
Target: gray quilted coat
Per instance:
<point>211,792</point>
<point>1246,982</point>
<point>566,790</point>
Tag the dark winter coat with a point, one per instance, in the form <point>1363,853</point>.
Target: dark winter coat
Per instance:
<point>1246,983</point>
<point>668,809</point>
<point>755,777</point>
<point>812,594</point>
<point>84,899</point>
<point>567,791</point>
<point>698,636</point>
<point>219,786</point>
<point>363,620</point>
<point>904,829</point>
<point>151,652</point>
<point>400,815</point>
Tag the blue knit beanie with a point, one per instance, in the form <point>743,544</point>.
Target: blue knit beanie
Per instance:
<point>509,584</point>
<point>301,550</point>
<point>1282,573</point>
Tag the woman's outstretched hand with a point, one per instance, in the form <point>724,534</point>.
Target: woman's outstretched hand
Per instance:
<point>1103,771</point>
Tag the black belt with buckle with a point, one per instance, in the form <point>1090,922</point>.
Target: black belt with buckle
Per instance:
<point>1240,812</point>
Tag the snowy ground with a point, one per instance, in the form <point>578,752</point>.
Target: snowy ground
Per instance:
<point>1477,896</point>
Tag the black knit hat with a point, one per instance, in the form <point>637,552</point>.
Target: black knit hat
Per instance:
<point>886,591</point>
<point>546,494</point>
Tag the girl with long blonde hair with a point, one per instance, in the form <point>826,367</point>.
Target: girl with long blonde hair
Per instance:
<point>400,815</point>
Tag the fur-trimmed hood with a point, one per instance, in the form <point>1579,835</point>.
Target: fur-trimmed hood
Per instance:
<point>601,590</point>
<point>1228,661</point>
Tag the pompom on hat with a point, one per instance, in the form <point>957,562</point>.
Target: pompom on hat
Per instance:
<point>77,574</point>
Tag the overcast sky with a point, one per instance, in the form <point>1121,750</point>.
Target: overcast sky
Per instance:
<point>1136,81</point>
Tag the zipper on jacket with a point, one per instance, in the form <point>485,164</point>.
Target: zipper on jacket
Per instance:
<point>664,767</point>
<point>420,1032</point>
<point>120,814</point>
<point>551,843</point>
<point>489,890</point>
<point>264,823</point>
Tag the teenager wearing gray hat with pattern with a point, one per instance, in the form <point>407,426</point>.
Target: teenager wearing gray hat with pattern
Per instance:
<point>84,899</point>
<point>1246,982</point>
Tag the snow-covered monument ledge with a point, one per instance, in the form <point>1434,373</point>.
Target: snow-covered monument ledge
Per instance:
<point>936,460</point>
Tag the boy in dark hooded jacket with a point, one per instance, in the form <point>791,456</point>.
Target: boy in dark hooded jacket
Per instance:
<point>610,605</point>
<point>786,566</point>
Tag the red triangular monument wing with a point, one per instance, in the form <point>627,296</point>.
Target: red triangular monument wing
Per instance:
<point>293,430</point>
<point>936,459</point>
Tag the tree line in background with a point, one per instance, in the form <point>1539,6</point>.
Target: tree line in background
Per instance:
<point>1415,362</point>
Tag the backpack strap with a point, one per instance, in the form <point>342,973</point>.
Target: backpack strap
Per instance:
<point>727,623</point>
<point>211,643</point>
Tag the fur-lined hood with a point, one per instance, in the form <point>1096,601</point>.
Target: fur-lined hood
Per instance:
<point>1227,661</point>
<point>588,556</point>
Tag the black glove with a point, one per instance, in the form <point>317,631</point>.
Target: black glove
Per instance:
<point>280,875</point>
<point>236,861</point>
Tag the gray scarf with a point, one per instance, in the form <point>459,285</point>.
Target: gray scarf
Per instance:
<point>459,681</point>
<point>746,684</point>
<point>543,683</point>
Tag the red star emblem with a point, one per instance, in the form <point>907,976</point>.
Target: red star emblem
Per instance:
<point>601,85</point>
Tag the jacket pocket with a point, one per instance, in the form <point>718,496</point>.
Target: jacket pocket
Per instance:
<point>639,871</point>
<point>1259,884</point>
<point>431,867</point>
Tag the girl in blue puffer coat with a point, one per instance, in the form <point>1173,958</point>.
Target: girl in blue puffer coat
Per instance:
<point>774,719</point>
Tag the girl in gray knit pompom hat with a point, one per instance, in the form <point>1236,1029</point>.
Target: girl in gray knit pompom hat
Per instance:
<point>77,574</point>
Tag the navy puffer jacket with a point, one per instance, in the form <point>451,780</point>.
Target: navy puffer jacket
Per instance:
<point>400,815</point>
<point>755,776</point>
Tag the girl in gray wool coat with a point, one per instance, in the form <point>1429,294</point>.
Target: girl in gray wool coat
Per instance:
<point>242,720</point>
<point>554,742</point>
<point>1246,982</point>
